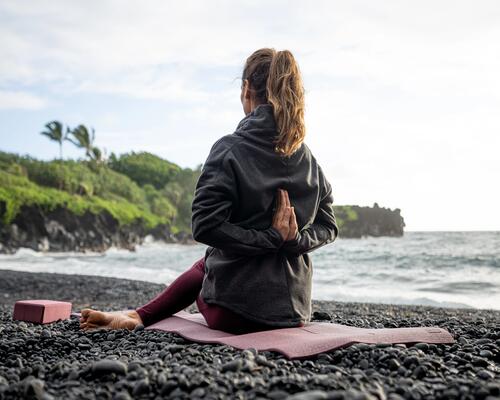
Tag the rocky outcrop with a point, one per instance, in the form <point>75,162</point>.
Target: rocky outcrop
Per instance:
<point>357,222</point>
<point>62,230</point>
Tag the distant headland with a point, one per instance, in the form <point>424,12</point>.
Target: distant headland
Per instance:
<point>97,202</point>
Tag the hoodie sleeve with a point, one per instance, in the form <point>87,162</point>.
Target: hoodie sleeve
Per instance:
<point>214,197</point>
<point>323,230</point>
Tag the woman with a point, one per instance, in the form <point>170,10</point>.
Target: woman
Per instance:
<point>261,204</point>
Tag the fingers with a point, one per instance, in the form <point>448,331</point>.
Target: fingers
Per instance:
<point>278,213</point>
<point>287,199</point>
<point>286,214</point>
<point>282,200</point>
<point>293,220</point>
<point>283,213</point>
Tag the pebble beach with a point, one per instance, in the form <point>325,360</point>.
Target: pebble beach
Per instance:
<point>58,360</point>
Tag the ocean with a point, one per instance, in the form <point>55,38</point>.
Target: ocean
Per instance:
<point>447,269</point>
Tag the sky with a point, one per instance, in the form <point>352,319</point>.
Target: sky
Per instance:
<point>402,97</point>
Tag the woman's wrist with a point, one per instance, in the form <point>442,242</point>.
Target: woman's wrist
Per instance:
<point>295,239</point>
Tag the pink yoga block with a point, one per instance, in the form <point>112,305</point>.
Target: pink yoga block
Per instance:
<point>41,311</point>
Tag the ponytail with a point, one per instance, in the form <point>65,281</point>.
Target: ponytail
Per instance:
<point>286,94</point>
<point>275,78</point>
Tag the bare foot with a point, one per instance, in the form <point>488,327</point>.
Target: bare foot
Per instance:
<point>93,319</point>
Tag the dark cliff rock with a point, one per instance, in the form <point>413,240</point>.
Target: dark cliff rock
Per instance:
<point>356,221</point>
<point>62,230</point>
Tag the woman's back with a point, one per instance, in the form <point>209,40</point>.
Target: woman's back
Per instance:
<point>259,171</point>
<point>249,267</point>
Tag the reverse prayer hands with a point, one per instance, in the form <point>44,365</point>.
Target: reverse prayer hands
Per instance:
<point>284,219</point>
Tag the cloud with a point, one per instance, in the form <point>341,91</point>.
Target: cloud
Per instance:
<point>12,100</point>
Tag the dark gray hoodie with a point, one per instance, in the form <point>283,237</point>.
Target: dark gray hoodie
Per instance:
<point>249,268</point>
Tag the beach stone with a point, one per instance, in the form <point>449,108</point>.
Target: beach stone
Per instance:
<point>481,362</point>
<point>393,364</point>
<point>484,374</point>
<point>308,395</point>
<point>262,360</point>
<point>174,348</point>
<point>277,394</point>
<point>234,365</point>
<point>463,340</point>
<point>167,387</point>
<point>104,367</point>
<point>33,387</point>
<point>123,395</point>
<point>486,354</point>
<point>419,372</point>
<point>321,316</point>
<point>141,387</point>
<point>451,393</point>
<point>46,334</point>
<point>251,350</point>
<point>494,388</point>
<point>422,346</point>
<point>198,392</point>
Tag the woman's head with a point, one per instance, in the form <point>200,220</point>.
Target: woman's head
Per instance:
<point>273,77</point>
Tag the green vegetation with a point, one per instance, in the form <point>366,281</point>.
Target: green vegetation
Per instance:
<point>16,191</point>
<point>93,186</point>
<point>145,168</point>
<point>132,186</point>
<point>344,215</point>
<point>83,139</point>
<point>54,131</point>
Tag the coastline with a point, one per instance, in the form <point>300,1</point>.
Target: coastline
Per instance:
<point>55,360</point>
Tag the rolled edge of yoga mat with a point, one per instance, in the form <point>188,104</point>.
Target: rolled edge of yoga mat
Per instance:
<point>41,311</point>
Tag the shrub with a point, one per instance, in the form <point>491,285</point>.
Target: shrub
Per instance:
<point>145,168</point>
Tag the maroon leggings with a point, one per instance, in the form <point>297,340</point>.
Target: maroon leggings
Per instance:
<point>182,292</point>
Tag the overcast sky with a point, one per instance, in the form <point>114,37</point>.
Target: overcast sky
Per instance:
<point>402,97</point>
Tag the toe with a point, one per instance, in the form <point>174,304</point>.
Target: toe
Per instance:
<point>95,316</point>
<point>84,314</point>
<point>89,326</point>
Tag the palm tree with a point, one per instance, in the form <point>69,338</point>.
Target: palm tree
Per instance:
<point>97,154</point>
<point>83,139</point>
<point>55,132</point>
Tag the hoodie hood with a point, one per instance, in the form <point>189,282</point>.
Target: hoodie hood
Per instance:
<point>259,125</point>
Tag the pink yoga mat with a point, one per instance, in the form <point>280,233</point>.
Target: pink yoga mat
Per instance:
<point>299,342</point>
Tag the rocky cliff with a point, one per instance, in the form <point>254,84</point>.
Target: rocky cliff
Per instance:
<point>62,230</point>
<point>356,221</point>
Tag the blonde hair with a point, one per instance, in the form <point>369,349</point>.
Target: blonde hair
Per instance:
<point>275,78</point>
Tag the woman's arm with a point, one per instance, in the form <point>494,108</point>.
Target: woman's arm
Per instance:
<point>323,230</point>
<point>214,197</point>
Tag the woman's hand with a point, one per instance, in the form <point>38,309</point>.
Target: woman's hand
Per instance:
<point>294,229</point>
<point>281,218</point>
<point>284,219</point>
